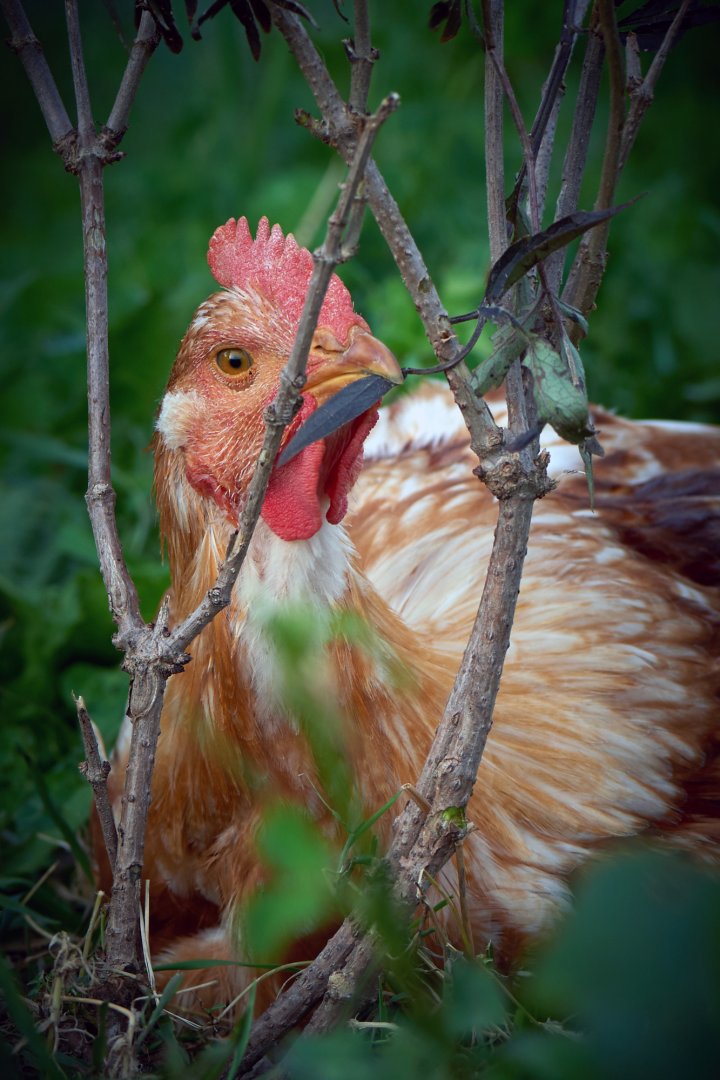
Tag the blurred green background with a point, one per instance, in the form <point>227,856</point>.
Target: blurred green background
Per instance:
<point>212,136</point>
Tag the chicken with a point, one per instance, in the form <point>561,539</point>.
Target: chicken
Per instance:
<point>606,722</point>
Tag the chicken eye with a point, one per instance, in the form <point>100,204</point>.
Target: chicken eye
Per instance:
<point>234,361</point>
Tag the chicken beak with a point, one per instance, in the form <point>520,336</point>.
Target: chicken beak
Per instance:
<point>365,355</point>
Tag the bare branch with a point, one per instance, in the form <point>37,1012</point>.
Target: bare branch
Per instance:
<point>338,129</point>
<point>544,153</point>
<point>96,771</point>
<point>282,409</point>
<point>299,996</point>
<point>616,68</point>
<point>144,46</point>
<point>499,85</point>
<point>362,56</point>
<point>577,148</point>
<point>494,142</point>
<point>641,98</point>
<point>494,53</point>
<point>86,127</point>
<point>573,16</point>
<point>589,265</point>
<point>552,91</point>
<point>100,497</point>
<point>29,51</point>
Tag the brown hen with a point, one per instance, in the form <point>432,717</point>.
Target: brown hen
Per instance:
<point>606,723</point>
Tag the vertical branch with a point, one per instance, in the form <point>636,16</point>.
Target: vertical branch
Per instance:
<point>494,144</point>
<point>543,156</point>
<point>86,127</point>
<point>616,68</point>
<point>100,497</point>
<point>146,41</point>
<point>96,771</point>
<point>339,130</point>
<point>29,51</point>
<point>362,56</point>
<point>518,403</point>
<point>545,123</point>
<point>575,158</point>
<point>641,98</point>
<point>589,265</point>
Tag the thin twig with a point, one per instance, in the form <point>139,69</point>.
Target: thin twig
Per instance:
<point>362,56</point>
<point>100,497</point>
<point>282,409</point>
<point>616,69</point>
<point>338,128</point>
<point>498,85</point>
<point>589,265</point>
<point>29,51</point>
<point>96,772</point>
<point>577,149</point>
<point>146,41</point>
<point>494,140</point>
<point>494,52</point>
<point>573,16</point>
<point>641,98</point>
<point>85,125</point>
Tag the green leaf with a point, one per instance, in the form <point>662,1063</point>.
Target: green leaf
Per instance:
<point>490,373</point>
<point>356,833</point>
<point>298,897</point>
<point>168,992</point>
<point>637,965</point>
<point>573,314</point>
<point>473,1000</point>
<point>561,399</point>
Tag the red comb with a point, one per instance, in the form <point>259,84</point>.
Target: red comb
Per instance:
<point>277,267</point>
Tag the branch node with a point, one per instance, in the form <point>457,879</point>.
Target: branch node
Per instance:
<point>313,125</point>
<point>506,478</point>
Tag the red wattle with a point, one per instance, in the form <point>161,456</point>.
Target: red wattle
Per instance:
<point>325,469</point>
<point>348,469</point>
<point>291,506</point>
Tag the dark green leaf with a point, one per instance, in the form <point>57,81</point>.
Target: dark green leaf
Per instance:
<point>509,343</point>
<point>573,314</point>
<point>528,252</point>
<point>448,12</point>
<point>161,11</point>
<point>651,22</point>
<point>560,397</point>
